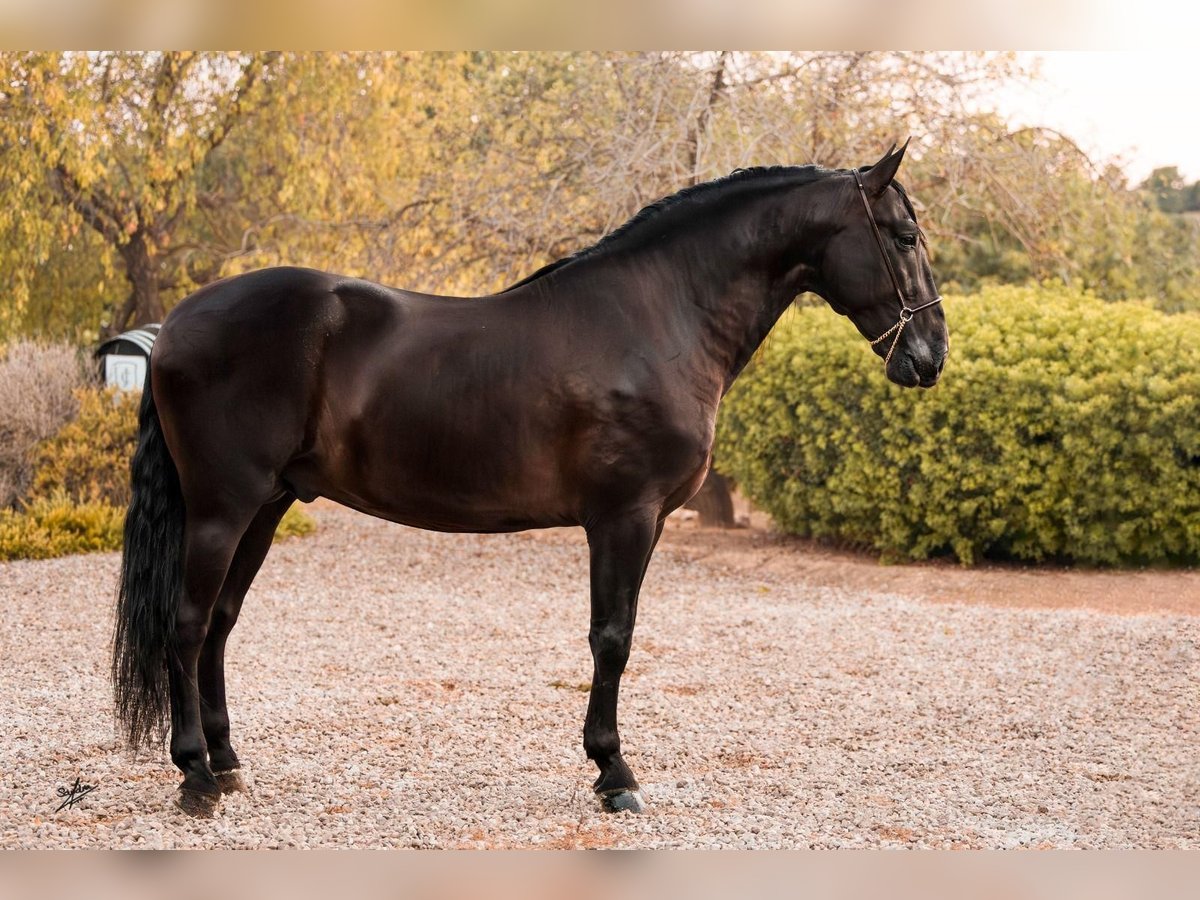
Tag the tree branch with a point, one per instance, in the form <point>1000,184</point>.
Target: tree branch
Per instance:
<point>701,122</point>
<point>250,74</point>
<point>96,211</point>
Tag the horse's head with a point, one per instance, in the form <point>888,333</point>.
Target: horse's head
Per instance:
<point>875,270</point>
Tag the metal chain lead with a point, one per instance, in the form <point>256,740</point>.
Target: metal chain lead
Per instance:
<point>906,315</point>
<point>899,329</point>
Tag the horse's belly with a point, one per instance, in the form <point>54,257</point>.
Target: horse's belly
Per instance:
<point>445,518</point>
<point>460,492</point>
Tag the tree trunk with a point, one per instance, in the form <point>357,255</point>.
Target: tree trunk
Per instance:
<point>700,125</point>
<point>714,502</point>
<point>144,305</point>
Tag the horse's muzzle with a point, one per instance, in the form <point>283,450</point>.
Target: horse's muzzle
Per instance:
<point>919,371</point>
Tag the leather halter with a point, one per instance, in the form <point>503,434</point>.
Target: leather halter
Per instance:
<point>906,311</point>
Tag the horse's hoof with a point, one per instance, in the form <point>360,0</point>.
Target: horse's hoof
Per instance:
<point>230,781</point>
<point>629,801</point>
<point>198,804</point>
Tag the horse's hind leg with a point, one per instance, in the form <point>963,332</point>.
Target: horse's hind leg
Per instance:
<point>211,537</point>
<point>620,553</point>
<point>214,715</point>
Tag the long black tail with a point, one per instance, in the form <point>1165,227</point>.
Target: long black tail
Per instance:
<point>151,585</point>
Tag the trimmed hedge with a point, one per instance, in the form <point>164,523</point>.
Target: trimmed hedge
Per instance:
<point>1064,428</point>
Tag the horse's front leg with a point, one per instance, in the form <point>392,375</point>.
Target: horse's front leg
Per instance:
<point>620,552</point>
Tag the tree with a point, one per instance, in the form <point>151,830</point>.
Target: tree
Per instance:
<point>462,172</point>
<point>113,142</point>
<point>1168,189</point>
<point>1030,205</point>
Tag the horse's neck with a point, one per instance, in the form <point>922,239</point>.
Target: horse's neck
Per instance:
<point>716,312</point>
<point>737,323</point>
<point>734,303</point>
<point>734,295</point>
<point>719,296</point>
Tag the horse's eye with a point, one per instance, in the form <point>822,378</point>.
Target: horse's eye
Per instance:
<point>907,241</point>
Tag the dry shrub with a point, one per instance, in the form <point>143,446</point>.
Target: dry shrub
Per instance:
<point>74,481</point>
<point>87,460</point>
<point>37,397</point>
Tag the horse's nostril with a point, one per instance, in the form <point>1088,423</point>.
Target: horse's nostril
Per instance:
<point>941,364</point>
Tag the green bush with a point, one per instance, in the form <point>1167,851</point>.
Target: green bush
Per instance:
<point>88,458</point>
<point>295,523</point>
<point>57,526</point>
<point>80,485</point>
<point>1064,428</point>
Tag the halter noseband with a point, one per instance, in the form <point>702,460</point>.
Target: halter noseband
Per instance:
<point>906,312</point>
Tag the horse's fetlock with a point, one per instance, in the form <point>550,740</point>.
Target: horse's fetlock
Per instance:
<point>602,744</point>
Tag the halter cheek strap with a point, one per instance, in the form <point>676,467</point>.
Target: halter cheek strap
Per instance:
<point>906,312</point>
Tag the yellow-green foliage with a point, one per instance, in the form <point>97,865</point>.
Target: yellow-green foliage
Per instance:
<point>295,523</point>
<point>56,526</point>
<point>88,459</point>
<point>1063,428</point>
<point>81,485</point>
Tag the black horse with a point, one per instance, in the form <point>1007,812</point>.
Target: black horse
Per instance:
<point>584,395</point>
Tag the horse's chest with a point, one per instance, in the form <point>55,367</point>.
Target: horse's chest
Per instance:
<point>646,436</point>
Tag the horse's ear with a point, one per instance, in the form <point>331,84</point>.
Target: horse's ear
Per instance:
<point>877,178</point>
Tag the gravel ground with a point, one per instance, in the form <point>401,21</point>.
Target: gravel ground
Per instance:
<point>392,687</point>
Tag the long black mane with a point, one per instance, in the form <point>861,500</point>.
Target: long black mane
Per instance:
<point>702,191</point>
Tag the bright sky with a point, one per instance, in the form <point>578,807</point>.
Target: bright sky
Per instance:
<point>1137,105</point>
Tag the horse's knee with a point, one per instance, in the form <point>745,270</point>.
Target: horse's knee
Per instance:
<point>210,547</point>
<point>610,646</point>
<point>210,544</point>
<point>191,626</point>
